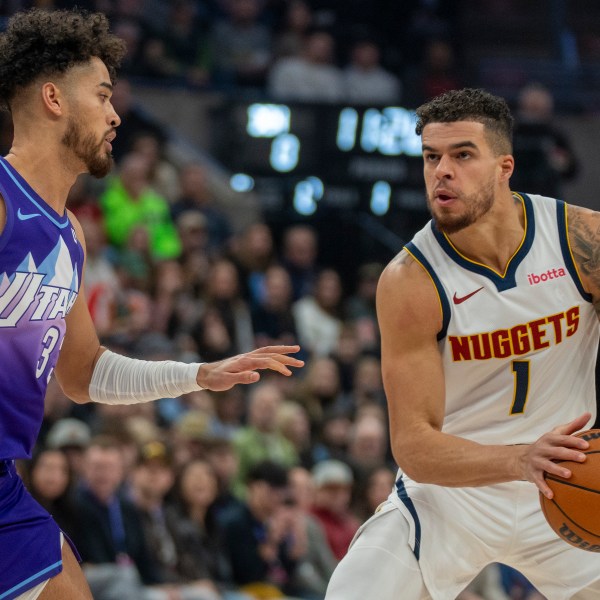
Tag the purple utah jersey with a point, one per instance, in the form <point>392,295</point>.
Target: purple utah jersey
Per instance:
<point>41,263</point>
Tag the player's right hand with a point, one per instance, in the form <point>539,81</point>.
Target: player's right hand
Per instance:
<point>243,368</point>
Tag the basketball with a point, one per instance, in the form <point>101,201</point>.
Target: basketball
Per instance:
<point>574,512</point>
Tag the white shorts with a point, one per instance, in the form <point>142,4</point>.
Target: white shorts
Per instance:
<point>453,533</point>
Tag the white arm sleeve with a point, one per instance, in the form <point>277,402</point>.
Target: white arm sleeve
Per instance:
<point>119,379</point>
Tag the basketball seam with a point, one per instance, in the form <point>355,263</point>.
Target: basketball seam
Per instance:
<point>575,485</point>
<point>571,519</point>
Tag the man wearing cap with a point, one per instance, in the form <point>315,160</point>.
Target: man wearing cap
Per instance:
<point>151,480</point>
<point>333,482</point>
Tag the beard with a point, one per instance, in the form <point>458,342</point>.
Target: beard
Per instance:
<point>476,205</point>
<point>86,148</point>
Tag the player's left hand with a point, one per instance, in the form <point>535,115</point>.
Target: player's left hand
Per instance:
<point>243,368</point>
<point>547,454</point>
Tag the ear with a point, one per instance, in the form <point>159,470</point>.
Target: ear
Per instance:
<point>507,166</point>
<point>52,98</point>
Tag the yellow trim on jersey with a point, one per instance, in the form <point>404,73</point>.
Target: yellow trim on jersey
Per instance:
<point>474,262</point>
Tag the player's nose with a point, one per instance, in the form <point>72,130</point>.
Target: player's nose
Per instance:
<point>443,170</point>
<point>114,119</point>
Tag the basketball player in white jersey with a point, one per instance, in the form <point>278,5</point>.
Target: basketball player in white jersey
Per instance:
<point>489,336</point>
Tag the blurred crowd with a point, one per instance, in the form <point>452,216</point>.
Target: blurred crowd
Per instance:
<point>318,50</point>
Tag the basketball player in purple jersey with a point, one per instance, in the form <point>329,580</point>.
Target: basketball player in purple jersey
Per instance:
<point>56,76</point>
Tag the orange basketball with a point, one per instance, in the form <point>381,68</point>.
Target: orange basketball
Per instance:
<point>574,512</point>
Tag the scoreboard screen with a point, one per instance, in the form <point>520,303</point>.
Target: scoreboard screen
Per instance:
<point>309,157</point>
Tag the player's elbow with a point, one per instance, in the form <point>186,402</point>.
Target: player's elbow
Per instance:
<point>411,462</point>
<point>76,391</point>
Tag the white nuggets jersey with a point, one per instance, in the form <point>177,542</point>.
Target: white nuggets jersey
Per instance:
<point>519,347</point>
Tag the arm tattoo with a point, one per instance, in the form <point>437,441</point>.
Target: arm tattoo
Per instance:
<point>584,237</point>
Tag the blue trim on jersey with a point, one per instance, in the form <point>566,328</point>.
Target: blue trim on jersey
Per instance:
<point>406,500</point>
<point>561,216</point>
<point>13,175</point>
<point>446,312</point>
<point>502,282</point>
<point>38,575</point>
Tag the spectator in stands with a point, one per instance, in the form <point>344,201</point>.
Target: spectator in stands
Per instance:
<point>134,120</point>
<point>316,566</point>
<point>318,315</point>
<point>334,482</point>
<point>332,436</point>
<point>320,390</point>
<point>129,203</point>
<point>294,423</point>
<point>241,45</point>
<point>260,439</point>
<point>50,481</point>
<point>272,319</point>
<point>360,310</point>
<point>195,195</point>
<point>101,279</point>
<point>543,153</point>
<point>311,76</point>
<point>373,489</point>
<point>179,50</point>
<point>71,437</point>
<point>346,353</point>
<point>299,255</point>
<point>224,461</point>
<point>117,560</point>
<point>151,480</point>
<point>291,35</point>
<point>263,538</point>
<point>366,80</point>
<point>437,73</point>
<point>163,175</point>
<point>167,284</point>
<point>368,443</point>
<point>225,325</point>
<point>367,383</point>
<point>132,32</point>
<point>253,252</point>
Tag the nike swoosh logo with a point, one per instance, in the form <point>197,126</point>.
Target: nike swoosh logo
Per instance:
<point>460,300</point>
<point>26,216</point>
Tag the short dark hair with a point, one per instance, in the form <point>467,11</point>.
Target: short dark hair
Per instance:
<point>471,104</point>
<point>50,42</point>
<point>270,472</point>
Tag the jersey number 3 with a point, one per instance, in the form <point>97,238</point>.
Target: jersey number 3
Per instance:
<point>520,369</point>
<point>50,339</point>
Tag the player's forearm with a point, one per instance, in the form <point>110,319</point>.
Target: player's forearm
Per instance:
<point>447,460</point>
<point>119,379</point>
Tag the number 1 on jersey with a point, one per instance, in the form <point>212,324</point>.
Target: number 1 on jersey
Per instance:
<point>520,369</point>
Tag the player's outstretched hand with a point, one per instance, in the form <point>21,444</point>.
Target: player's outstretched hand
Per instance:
<point>243,368</point>
<point>557,445</point>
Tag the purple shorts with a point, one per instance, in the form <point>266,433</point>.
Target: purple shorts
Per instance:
<point>30,550</point>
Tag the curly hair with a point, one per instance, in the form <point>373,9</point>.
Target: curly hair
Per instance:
<point>41,42</point>
<point>471,104</point>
